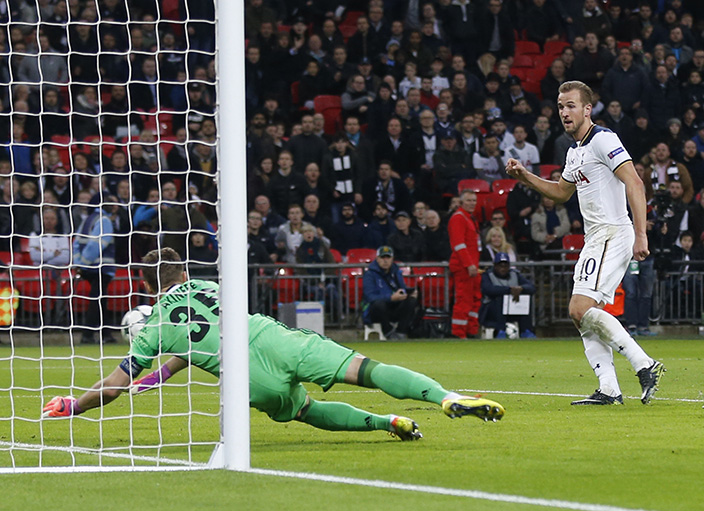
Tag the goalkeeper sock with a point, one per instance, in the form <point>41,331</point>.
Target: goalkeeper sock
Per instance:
<point>601,359</point>
<point>334,416</point>
<point>403,383</point>
<point>612,332</point>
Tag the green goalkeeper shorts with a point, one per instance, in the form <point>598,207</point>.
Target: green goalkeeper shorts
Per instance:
<point>281,358</point>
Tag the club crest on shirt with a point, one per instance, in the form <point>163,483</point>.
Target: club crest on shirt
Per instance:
<point>615,152</point>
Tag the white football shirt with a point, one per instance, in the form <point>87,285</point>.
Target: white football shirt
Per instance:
<point>591,165</point>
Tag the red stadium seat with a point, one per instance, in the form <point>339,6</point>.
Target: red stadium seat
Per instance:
<point>361,255</point>
<point>554,47</point>
<point>503,186</point>
<point>526,48</point>
<point>347,31</point>
<point>546,170</point>
<point>336,255</point>
<point>351,18</point>
<point>533,87</point>
<point>520,72</point>
<point>543,61</point>
<point>295,99</point>
<point>36,289</point>
<point>573,243</point>
<point>477,185</point>
<point>536,74</point>
<point>330,107</point>
<point>352,286</point>
<point>522,61</point>
<point>122,291</point>
<point>431,287</point>
<point>286,286</point>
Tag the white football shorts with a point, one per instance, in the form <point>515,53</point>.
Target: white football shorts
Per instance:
<point>603,262</point>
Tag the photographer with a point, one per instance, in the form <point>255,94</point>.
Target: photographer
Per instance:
<point>664,170</point>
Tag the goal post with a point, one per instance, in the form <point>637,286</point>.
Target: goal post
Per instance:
<point>66,131</point>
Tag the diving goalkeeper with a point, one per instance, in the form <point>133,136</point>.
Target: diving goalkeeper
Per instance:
<point>184,323</point>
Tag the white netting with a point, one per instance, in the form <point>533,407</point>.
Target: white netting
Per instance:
<point>107,124</point>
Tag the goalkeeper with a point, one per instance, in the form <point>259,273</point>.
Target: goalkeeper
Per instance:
<point>184,323</point>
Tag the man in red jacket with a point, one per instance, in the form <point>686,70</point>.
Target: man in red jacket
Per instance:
<point>464,265</point>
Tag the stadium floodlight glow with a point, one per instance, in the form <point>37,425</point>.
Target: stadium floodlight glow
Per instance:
<point>63,125</point>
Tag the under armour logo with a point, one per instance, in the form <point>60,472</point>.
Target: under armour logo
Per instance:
<point>620,349</point>
<point>597,366</point>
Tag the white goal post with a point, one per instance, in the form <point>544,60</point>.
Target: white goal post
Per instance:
<point>189,422</point>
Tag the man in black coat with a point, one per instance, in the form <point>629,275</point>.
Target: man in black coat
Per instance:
<point>384,188</point>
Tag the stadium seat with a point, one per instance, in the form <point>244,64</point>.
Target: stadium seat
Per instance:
<point>286,286</point>
<point>477,185</point>
<point>526,48</point>
<point>503,186</point>
<point>546,170</point>
<point>520,72</point>
<point>121,292</point>
<point>361,255</point>
<point>523,61</point>
<point>431,287</point>
<point>487,203</point>
<point>572,243</point>
<point>533,87</point>
<point>347,31</point>
<point>331,108</point>
<point>554,47</point>
<point>295,99</point>
<point>543,61</point>
<point>352,286</point>
<point>336,255</point>
<point>32,285</point>
<point>536,74</point>
<point>351,18</point>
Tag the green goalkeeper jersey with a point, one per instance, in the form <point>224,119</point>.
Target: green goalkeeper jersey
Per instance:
<point>184,323</point>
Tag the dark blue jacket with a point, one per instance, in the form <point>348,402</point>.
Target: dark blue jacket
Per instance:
<point>378,285</point>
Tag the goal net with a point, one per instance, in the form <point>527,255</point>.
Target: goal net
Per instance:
<point>107,150</point>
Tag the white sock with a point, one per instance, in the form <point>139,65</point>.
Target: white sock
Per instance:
<point>611,332</point>
<point>601,359</point>
<point>452,395</point>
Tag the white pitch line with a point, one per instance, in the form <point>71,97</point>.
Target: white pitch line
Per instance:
<point>96,452</point>
<point>436,490</point>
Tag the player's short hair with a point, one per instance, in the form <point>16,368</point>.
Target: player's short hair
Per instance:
<point>162,268</point>
<point>586,94</point>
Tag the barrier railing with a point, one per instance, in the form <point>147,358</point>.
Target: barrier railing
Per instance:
<point>677,298</point>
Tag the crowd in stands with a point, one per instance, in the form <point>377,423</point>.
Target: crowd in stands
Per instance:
<point>381,108</point>
<point>107,103</point>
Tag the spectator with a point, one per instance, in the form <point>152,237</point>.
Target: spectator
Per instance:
<point>645,136</point>
<point>418,215</point>
<point>271,220</point>
<point>411,79</point>
<point>406,241</point>
<point>674,137</point>
<point>490,161</point>
<point>664,170</point>
<point>404,153</point>
<point>381,226</point>
<point>83,60</point>
<point>693,90</point>
<point>314,82</point>
<point>543,137</point>
<point>313,251</point>
<point>286,186</point>
<point>625,83</point>
<point>364,42</point>
<point>25,210</point>
<point>313,215</point>
<point>694,163</point>
<point>676,46</point>
<point>380,111</point>
<point>521,203</point>
<point>44,66</point>
<point>356,99</point>
<point>618,122</point>
<point>451,165</point>
<point>145,213</point>
<point>697,63</point>
<point>594,19</point>
<point>523,151</point>
<point>202,256</point>
<point>497,283</point>
<point>152,93</point>
<point>548,224</point>
<point>696,219</point>
<point>591,64</point>
<point>556,76</point>
<point>687,289</point>
<point>318,187</point>
<point>341,168</point>
<point>427,97</point>
<point>348,232</point>
<point>48,246</point>
<point>386,298</point>
<point>497,31</point>
<point>542,22</point>
<point>389,190</point>
<point>460,21</point>
<point>307,147</point>
<point>289,236</point>
<point>118,120</point>
<point>435,238</point>
<point>663,99</point>
<point>495,243</point>
<point>417,52</point>
<point>332,39</point>
<point>177,218</point>
<point>94,255</point>
<point>339,70</point>
<point>257,235</point>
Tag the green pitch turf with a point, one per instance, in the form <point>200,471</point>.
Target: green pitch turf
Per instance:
<point>630,457</point>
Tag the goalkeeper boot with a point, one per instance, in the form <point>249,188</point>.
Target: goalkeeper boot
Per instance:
<point>477,406</point>
<point>405,429</point>
<point>599,398</point>
<point>649,378</point>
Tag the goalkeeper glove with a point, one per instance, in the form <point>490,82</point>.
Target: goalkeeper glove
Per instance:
<point>61,407</point>
<point>150,381</point>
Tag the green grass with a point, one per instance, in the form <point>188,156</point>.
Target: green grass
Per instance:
<point>634,456</point>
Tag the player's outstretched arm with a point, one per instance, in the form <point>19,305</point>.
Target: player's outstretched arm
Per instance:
<point>102,393</point>
<point>559,191</point>
<point>156,378</point>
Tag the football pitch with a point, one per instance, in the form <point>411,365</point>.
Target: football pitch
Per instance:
<point>544,454</point>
